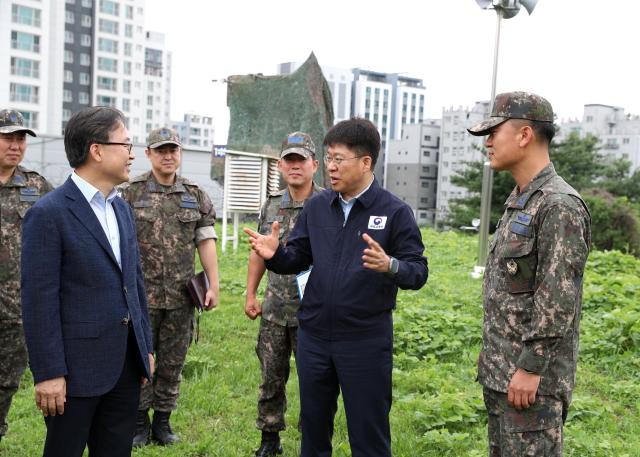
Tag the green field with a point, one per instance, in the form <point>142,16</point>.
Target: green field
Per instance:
<point>438,408</point>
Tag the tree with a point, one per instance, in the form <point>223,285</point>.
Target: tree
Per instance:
<point>463,210</point>
<point>577,160</point>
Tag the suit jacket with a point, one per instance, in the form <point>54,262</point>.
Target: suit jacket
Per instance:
<point>76,301</point>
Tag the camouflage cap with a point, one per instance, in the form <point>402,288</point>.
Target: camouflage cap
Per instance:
<point>298,143</point>
<point>161,136</point>
<point>514,105</point>
<point>12,121</point>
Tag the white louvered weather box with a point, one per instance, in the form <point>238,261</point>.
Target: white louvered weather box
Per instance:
<point>248,179</point>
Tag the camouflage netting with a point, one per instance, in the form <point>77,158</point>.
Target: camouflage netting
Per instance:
<point>264,109</point>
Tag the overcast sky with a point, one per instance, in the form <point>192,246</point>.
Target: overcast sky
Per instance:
<point>572,52</point>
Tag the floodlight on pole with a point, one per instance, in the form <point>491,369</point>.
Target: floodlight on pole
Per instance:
<point>505,9</point>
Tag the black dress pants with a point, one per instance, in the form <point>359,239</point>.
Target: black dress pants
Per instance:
<point>106,424</point>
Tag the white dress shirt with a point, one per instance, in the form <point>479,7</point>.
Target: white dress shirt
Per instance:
<point>103,209</point>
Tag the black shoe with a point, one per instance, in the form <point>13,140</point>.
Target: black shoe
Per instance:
<point>143,429</point>
<point>161,431</point>
<point>269,449</point>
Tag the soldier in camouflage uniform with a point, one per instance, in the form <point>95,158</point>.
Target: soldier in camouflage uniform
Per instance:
<point>278,323</point>
<point>532,285</point>
<point>19,189</point>
<point>173,217</point>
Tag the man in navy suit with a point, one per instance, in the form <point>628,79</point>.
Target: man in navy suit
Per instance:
<point>83,298</point>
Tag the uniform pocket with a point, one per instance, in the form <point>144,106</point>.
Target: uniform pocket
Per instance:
<point>187,216</point>
<point>519,261</point>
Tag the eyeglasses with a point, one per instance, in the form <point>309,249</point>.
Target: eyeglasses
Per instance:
<point>129,146</point>
<point>337,160</point>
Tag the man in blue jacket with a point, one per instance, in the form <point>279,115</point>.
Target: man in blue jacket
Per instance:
<point>364,244</point>
<point>83,299</point>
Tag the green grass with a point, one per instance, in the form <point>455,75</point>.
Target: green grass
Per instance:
<point>438,408</point>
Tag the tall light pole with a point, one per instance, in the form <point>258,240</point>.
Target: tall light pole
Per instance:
<point>505,9</point>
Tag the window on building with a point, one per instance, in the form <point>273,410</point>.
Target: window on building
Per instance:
<point>83,98</point>
<point>66,114</point>
<point>588,119</point>
<point>107,64</point>
<point>107,83</point>
<point>85,59</point>
<point>426,153</point>
<point>108,26</point>
<point>150,86</point>
<point>25,41</point>
<point>127,68</point>
<point>109,7</point>
<point>127,49</point>
<point>194,131</point>
<point>128,30</point>
<point>129,12</point>
<point>85,40</point>
<point>25,15</point>
<point>625,141</point>
<point>104,100</point>
<point>68,56</point>
<point>69,17</point>
<point>149,114</point>
<point>25,67</point>
<point>150,100</point>
<point>68,76</point>
<point>67,96</point>
<point>126,104</point>
<point>23,93</point>
<point>86,20</point>
<point>427,138</point>
<point>87,3</point>
<point>424,200</point>
<point>85,79</point>
<point>126,86</point>
<point>30,119</point>
<point>107,45</point>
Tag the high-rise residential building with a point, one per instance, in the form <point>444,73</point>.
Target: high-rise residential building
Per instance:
<point>67,54</point>
<point>619,133</point>
<point>157,82</point>
<point>412,168</point>
<point>32,49</point>
<point>196,131</point>
<point>389,100</point>
<point>457,147</point>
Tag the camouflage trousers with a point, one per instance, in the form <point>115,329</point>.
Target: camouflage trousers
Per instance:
<point>13,361</point>
<point>172,330</point>
<point>532,432</point>
<point>275,345</point>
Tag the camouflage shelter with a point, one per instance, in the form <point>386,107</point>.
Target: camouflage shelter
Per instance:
<point>264,109</point>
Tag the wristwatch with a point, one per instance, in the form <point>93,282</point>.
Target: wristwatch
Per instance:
<point>394,266</point>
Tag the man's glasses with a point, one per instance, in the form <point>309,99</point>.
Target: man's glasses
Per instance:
<point>337,160</point>
<point>129,146</point>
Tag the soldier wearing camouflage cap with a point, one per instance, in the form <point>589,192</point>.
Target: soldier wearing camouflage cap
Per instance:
<point>174,216</point>
<point>278,323</point>
<point>20,188</point>
<point>532,287</point>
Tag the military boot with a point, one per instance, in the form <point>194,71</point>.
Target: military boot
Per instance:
<point>270,445</point>
<point>161,431</point>
<point>143,429</point>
